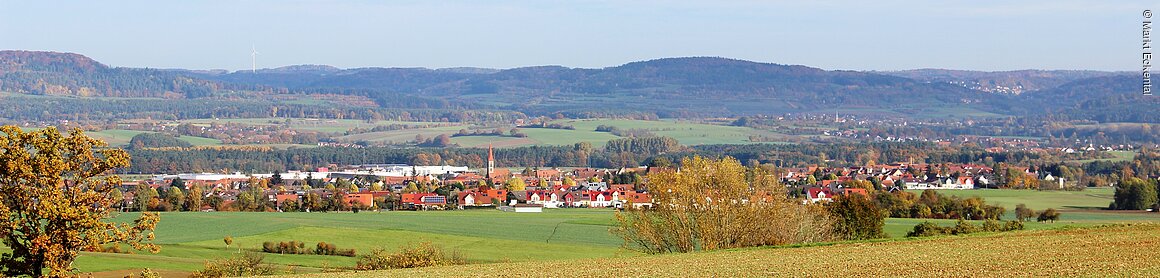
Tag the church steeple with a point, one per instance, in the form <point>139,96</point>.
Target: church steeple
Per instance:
<point>490,163</point>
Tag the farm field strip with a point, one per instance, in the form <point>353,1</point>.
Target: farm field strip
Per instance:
<point>1068,252</point>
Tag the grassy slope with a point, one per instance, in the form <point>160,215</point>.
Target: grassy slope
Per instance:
<point>1088,199</point>
<point>321,125</point>
<point>121,137</point>
<point>1119,156</point>
<point>686,132</point>
<point>190,238</point>
<point>1067,252</point>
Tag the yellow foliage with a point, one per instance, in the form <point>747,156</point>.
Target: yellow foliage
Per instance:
<point>56,192</point>
<point>714,204</point>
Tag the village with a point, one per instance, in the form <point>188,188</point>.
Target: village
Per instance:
<point>414,187</point>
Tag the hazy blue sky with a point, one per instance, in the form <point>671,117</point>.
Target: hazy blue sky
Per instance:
<point>859,35</point>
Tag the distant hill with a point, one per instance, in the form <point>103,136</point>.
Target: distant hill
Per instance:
<point>1116,98</point>
<point>1004,82</point>
<point>669,87</point>
<point>52,73</point>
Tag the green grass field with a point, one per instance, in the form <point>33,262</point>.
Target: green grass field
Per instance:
<point>687,133</point>
<point>188,239</point>
<point>121,137</point>
<point>1119,156</point>
<point>1092,198</point>
<point>320,125</point>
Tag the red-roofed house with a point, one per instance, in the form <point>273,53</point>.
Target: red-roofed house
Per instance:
<point>422,200</point>
<point>817,194</point>
<point>280,198</point>
<point>475,197</point>
<point>366,200</point>
<point>859,191</point>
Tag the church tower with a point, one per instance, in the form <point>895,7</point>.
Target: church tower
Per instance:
<point>490,163</point>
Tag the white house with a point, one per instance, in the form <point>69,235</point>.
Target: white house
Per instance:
<point>528,208</point>
<point>941,183</point>
<point>469,200</point>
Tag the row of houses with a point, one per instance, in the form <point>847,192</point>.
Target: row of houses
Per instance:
<point>582,196</point>
<point>897,176</point>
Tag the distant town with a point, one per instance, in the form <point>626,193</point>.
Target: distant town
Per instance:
<point>424,187</point>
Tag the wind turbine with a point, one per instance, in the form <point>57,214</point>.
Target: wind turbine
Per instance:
<point>253,59</point>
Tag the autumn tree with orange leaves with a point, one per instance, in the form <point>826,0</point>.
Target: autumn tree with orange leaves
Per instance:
<point>716,204</point>
<point>56,201</point>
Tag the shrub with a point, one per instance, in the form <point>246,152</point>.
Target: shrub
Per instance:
<point>857,217</point>
<point>1013,225</point>
<point>1048,215</point>
<point>992,225</point>
<point>422,255</point>
<point>926,228</point>
<point>284,247</point>
<point>298,247</point>
<point>1023,213</point>
<point>377,259</point>
<point>149,273</point>
<point>323,248</point>
<point>963,227</point>
<point>249,264</point>
<point>270,247</point>
<point>747,208</point>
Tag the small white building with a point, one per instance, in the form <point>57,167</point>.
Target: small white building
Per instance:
<point>528,208</point>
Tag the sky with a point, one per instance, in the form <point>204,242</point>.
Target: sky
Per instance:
<point>849,35</point>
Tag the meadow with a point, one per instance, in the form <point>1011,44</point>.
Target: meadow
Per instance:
<point>320,125</point>
<point>188,239</point>
<point>1118,156</point>
<point>121,137</point>
<point>687,133</point>
<point>1088,199</point>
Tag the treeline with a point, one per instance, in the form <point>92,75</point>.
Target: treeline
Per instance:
<point>931,204</point>
<point>156,140</point>
<point>624,152</point>
<point>51,109</point>
<point>298,247</point>
<point>631,132</point>
<point>858,154</point>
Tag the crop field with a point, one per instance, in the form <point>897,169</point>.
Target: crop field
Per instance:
<point>1119,251</point>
